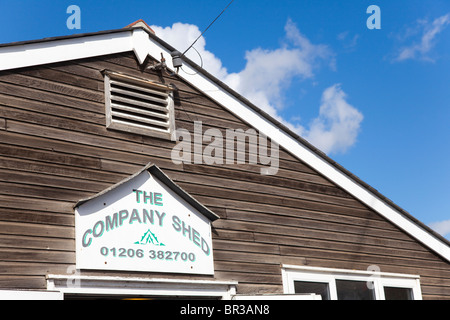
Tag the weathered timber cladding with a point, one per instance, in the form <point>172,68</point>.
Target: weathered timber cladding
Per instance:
<point>55,149</point>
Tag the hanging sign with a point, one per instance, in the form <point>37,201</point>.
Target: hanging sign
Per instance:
<point>143,225</point>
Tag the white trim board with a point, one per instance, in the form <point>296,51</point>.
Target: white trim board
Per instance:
<point>142,44</point>
<point>379,280</point>
<point>30,295</point>
<point>132,286</point>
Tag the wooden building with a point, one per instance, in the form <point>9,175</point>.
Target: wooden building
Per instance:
<point>89,128</point>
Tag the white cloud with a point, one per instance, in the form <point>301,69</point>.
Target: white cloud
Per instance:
<point>269,73</point>
<point>348,42</point>
<point>429,31</point>
<point>338,124</point>
<point>181,36</point>
<point>441,227</point>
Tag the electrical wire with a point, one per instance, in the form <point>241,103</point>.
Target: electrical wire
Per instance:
<point>207,28</point>
<point>201,63</point>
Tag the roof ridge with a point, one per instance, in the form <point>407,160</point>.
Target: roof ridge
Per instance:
<point>140,24</point>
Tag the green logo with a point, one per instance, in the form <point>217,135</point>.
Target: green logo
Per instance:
<point>149,238</point>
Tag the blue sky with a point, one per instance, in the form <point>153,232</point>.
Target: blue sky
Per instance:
<point>376,101</point>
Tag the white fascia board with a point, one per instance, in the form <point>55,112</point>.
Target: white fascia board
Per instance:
<point>263,125</point>
<point>52,51</point>
<point>141,44</point>
<point>39,53</point>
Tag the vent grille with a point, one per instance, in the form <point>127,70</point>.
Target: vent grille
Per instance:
<point>139,106</point>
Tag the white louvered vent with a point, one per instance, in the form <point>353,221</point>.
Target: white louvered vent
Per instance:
<point>139,106</point>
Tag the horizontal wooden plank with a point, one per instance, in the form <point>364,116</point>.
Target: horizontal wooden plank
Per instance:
<point>70,147</point>
<point>72,125</point>
<point>86,138</point>
<point>42,243</point>
<point>39,217</point>
<point>94,140</point>
<point>52,121</point>
<point>246,257</point>
<point>29,255</point>
<point>132,168</point>
<point>51,157</point>
<point>214,196</point>
<point>248,277</point>
<point>359,257</point>
<point>42,192</point>
<point>278,214</point>
<point>435,281</point>
<point>139,155</point>
<point>272,246</point>
<point>52,109</point>
<point>56,86</point>
<point>275,180</point>
<point>329,231</point>
<point>58,170</point>
<point>434,297</point>
<point>257,188</point>
<point>33,269</point>
<point>74,68</point>
<point>39,179</point>
<point>246,246</point>
<point>49,97</point>
<point>187,110</point>
<point>353,218</point>
<point>255,289</point>
<point>25,203</point>
<point>186,120</point>
<point>39,230</point>
<point>231,234</point>
<point>320,221</point>
<point>253,173</point>
<point>63,76</point>
<point>320,238</point>
<point>356,247</point>
<point>22,282</point>
<point>81,126</point>
<point>435,292</point>
<point>247,267</point>
<point>325,262</point>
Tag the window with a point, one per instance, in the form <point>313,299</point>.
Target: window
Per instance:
<point>354,290</point>
<point>139,106</point>
<point>319,288</point>
<point>393,293</point>
<point>340,284</point>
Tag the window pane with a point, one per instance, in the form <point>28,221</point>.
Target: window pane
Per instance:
<point>392,293</point>
<point>313,287</point>
<point>354,290</point>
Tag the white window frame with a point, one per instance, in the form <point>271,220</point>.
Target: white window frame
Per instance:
<point>132,286</point>
<point>291,273</point>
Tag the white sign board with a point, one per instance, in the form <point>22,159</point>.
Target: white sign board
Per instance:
<point>143,225</point>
